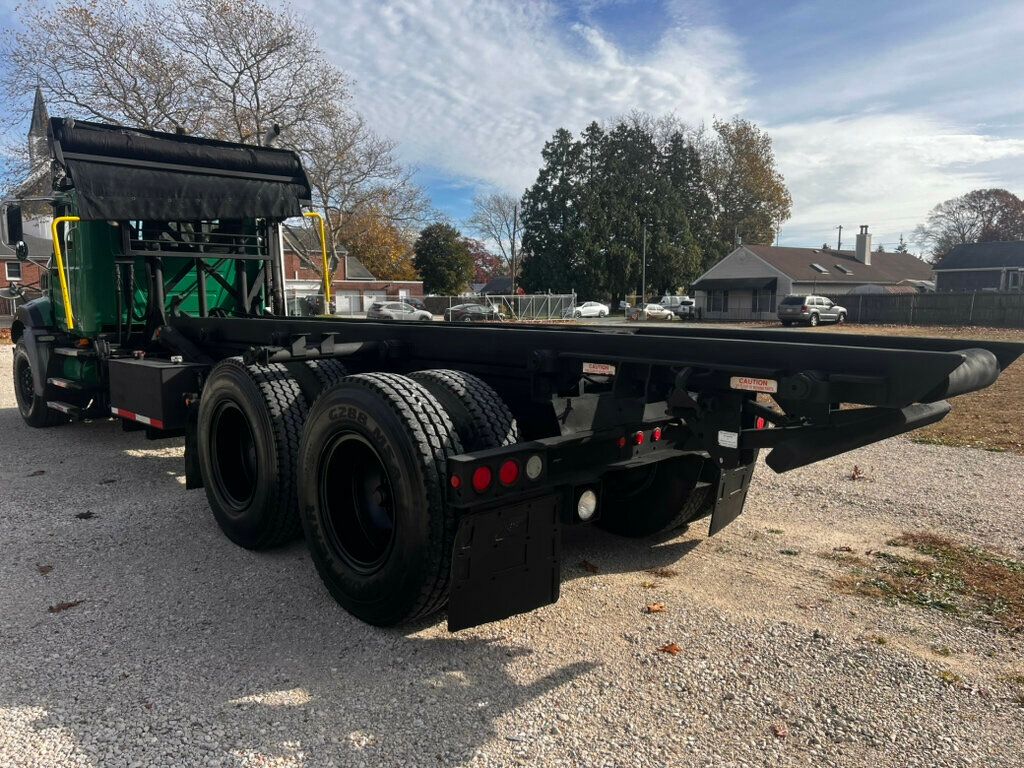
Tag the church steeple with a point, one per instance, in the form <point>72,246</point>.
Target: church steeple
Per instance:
<point>38,151</point>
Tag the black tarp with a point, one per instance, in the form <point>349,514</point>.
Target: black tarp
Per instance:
<point>125,173</point>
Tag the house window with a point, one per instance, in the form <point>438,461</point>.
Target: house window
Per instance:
<point>844,270</point>
<point>762,300</point>
<point>13,270</point>
<point>717,301</point>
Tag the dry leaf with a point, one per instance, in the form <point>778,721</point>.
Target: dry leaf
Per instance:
<point>85,515</point>
<point>654,608</point>
<point>588,566</point>
<point>648,584</point>
<point>44,569</point>
<point>780,730</point>
<point>857,474</point>
<point>64,606</point>
<point>842,549</point>
<point>670,648</point>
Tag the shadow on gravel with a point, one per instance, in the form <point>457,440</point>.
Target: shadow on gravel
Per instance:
<point>587,547</point>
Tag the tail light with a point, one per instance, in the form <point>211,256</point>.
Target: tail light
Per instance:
<point>760,422</point>
<point>482,479</point>
<point>508,472</point>
<point>638,438</point>
<point>804,308</point>
<point>656,434</point>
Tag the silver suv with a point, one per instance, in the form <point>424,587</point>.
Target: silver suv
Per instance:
<point>811,310</point>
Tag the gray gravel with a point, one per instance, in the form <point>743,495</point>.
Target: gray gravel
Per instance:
<point>189,651</point>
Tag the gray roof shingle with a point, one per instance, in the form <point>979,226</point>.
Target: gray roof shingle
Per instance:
<point>887,267</point>
<point>984,256</point>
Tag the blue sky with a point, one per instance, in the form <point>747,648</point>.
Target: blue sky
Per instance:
<point>878,110</point>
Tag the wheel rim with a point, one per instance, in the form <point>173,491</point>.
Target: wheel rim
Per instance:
<point>26,386</point>
<point>357,503</point>
<point>814,319</point>
<point>233,448</point>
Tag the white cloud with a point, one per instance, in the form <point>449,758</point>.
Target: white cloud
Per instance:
<point>886,171</point>
<point>476,86</point>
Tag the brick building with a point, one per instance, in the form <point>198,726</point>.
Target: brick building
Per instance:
<point>353,287</point>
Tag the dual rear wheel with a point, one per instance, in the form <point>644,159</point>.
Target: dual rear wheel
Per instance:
<point>357,463</point>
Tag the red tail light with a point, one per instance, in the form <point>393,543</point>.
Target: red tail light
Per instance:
<point>760,423</point>
<point>456,482</point>
<point>656,434</point>
<point>638,438</point>
<point>621,442</point>
<point>803,308</point>
<point>508,473</point>
<point>482,479</point>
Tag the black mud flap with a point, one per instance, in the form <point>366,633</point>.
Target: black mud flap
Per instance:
<point>733,485</point>
<point>506,561</point>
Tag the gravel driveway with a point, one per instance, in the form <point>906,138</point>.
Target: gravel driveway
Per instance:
<point>186,650</point>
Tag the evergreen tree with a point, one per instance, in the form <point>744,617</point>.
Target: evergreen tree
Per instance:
<point>443,259</point>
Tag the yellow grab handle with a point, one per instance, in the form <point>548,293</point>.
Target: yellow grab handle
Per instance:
<point>60,268</point>
<point>327,267</point>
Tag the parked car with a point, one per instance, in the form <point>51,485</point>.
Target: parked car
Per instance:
<point>685,308</point>
<point>623,306</point>
<point>649,312</point>
<point>418,303</point>
<point>588,309</point>
<point>471,313</point>
<point>396,310</point>
<point>810,310</point>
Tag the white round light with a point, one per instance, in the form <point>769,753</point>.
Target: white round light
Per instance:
<point>587,505</point>
<point>534,466</point>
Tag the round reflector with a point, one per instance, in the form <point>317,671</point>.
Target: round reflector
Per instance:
<point>508,473</point>
<point>482,478</point>
<point>622,442</point>
<point>534,466</point>
<point>456,482</point>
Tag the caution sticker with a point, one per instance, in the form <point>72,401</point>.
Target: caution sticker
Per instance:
<point>750,384</point>
<point>599,369</point>
<point>728,439</point>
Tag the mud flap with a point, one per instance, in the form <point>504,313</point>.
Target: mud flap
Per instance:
<point>733,485</point>
<point>506,561</point>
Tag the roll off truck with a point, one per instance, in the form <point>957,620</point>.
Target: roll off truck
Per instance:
<point>427,465</point>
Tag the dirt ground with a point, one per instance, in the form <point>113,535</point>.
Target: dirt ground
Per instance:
<point>990,419</point>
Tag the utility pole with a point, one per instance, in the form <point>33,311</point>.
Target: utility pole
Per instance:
<point>839,245</point>
<point>643,268</point>
<point>515,229</point>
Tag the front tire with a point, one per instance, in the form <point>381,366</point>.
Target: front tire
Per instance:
<point>841,319</point>
<point>250,424</point>
<point>372,477</point>
<point>32,407</point>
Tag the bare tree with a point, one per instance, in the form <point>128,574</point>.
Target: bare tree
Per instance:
<point>495,220</point>
<point>982,215</point>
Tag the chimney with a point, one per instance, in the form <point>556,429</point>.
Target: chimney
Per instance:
<point>863,253</point>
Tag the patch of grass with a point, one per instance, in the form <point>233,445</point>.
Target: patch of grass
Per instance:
<point>879,639</point>
<point>987,419</point>
<point>789,552</point>
<point>775,531</point>
<point>949,678</point>
<point>942,650</point>
<point>984,587</point>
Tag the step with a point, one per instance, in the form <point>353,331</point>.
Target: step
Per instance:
<point>69,384</point>
<point>74,351</point>
<point>58,405</point>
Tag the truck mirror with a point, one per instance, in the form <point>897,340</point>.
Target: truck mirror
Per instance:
<point>21,250</point>
<point>14,234</point>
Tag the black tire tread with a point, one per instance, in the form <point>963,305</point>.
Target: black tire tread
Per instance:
<point>287,408</point>
<point>328,371</point>
<point>47,417</point>
<point>491,422</point>
<point>434,438</point>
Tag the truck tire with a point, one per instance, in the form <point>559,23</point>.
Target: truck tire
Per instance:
<point>33,408</point>
<point>314,376</point>
<point>480,416</point>
<point>250,425</point>
<point>648,500</point>
<point>372,478</point>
